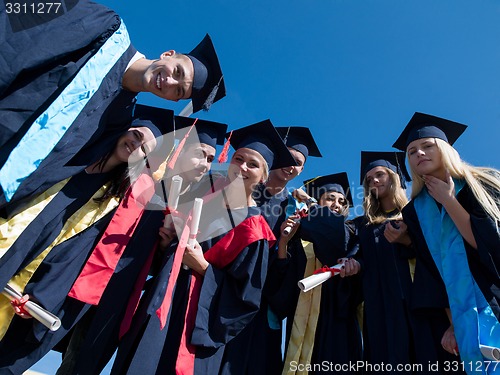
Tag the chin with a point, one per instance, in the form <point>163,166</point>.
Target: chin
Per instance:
<point>250,186</point>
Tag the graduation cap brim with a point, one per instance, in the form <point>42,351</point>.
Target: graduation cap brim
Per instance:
<point>317,186</point>
<point>372,159</point>
<point>263,137</point>
<point>422,125</point>
<point>298,137</point>
<point>208,85</point>
<point>209,132</point>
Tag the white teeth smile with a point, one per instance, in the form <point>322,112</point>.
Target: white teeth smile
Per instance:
<point>128,149</point>
<point>158,81</point>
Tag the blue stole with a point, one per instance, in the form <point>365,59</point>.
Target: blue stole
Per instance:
<point>293,205</point>
<point>473,320</point>
<point>48,129</point>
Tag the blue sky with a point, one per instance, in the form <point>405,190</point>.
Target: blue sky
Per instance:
<point>354,72</point>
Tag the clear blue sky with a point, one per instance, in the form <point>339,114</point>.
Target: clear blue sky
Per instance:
<point>354,72</point>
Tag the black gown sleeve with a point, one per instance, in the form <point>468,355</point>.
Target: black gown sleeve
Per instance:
<point>328,232</point>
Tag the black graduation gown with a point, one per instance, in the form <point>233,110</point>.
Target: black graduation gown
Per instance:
<point>47,225</point>
<point>26,340</point>
<point>65,263</point>
<point>484,263</point>
<point>338,337</point>
<point>274,211</point>
<point>392,333</point>
<point>231,296</point>
<point>40,56</point>
<point>102,335</point>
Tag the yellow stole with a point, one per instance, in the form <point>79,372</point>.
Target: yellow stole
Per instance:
<point>10,229</point>
<point>86,216</point>
<point>301,344</point>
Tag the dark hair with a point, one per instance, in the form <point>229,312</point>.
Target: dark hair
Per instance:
<point>119,179</point>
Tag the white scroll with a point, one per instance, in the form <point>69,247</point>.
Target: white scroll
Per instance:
<point>195,222</point>
<point>173,198</point>
<point>490,352</point>
<point>45,317</point>
<point>314,280</point>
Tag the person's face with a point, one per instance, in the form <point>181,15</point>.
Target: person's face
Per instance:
<point>424,157</point>
<point>333,200</point>
<point>129,144</point>
<point>194,161</point>
<point>289,173</point>
<point>248,165</point>
<point>379,181</point>
<point>170,77</point>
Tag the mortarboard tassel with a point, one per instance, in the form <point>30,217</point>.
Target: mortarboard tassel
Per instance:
<point>173,160</point>
<point>225,150</point>
<point>210,98</point>
<point>400,172</point>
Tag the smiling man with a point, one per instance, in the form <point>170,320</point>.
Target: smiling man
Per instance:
<point>273,195</point>
<point>69,79</point>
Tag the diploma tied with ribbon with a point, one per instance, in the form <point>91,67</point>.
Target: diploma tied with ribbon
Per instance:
<point>45,317</point>
<point>319,277</point>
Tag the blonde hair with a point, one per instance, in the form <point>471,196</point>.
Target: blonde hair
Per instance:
<point>371,204</point>
<point>483,182</point>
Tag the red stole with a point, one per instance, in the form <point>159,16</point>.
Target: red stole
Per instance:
<point>95,275</point>
<point>225,251</point>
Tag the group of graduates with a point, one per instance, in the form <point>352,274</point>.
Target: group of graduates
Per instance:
<point>100,224</point>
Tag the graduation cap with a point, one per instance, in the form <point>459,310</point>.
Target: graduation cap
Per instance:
<point>209,132</point>
<point>208,81</point>
<point>300,139</point>
<point>337,182</point>
<point>263,138</point>
<point>159,120</point>
<point>428,126</point>
<point>393,160</point>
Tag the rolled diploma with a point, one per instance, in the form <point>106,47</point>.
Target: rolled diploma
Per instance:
<point>195,222</point>
<point>45,317</point>
<point>173,198</point>
<point>490,352</point>
<point>314,280</point>
<point>288,229</point>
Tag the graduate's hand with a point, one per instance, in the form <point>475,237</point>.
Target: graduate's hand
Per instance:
<point>449,341</point>
<point>442,191</point>
<point>194,259</point>
<point>397,232</point>
<point>291,222</point>
<point>300,195</point>
<point>167,235</point>
<point>351,267</point>
<point>18,306</point>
